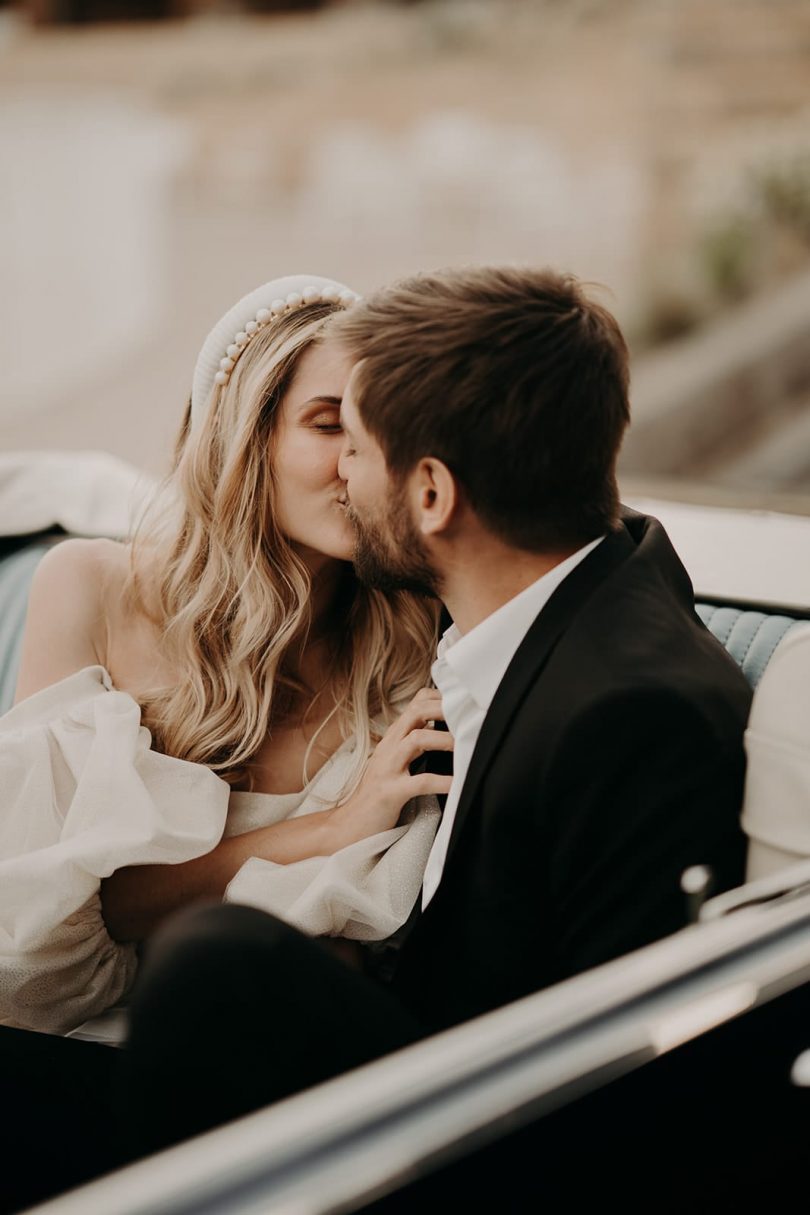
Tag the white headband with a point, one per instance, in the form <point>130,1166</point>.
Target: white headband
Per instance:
<point>258,308</point>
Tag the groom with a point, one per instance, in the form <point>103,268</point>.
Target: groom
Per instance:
<point>598,726</point>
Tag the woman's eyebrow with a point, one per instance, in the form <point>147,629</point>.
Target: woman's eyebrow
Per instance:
<point>325,400</point>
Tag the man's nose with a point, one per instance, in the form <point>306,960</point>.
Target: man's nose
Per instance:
<point>341,464</point>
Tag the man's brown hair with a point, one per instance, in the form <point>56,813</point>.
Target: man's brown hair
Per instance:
<point>514,379</point>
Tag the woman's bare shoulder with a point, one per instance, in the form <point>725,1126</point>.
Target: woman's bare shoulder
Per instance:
<point>82,574</point>
<point>69,605</point>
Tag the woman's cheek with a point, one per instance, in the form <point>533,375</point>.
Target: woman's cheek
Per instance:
<point>328,464</point>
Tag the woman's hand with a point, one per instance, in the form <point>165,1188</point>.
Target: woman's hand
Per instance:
<point>387,783</point>
<point>135,899</point>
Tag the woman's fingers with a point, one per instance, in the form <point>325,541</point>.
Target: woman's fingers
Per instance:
<point>429,783</point>
<point>420,741</point>
<point>426,706</point>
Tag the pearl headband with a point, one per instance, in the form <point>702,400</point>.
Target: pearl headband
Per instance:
<point>253,312</point>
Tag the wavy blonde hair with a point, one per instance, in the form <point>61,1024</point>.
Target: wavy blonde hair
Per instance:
<point>232,599</point>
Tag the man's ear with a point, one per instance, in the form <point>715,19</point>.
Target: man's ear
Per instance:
<point>435,497</point>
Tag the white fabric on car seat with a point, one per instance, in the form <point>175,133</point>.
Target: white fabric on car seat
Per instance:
<point>776,805</point>
<point>87,493</point>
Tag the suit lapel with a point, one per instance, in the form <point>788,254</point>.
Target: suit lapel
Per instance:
<point>531,656</point>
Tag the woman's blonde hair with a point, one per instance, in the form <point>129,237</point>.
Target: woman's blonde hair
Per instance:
<point>232,599</point>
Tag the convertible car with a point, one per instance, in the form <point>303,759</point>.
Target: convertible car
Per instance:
<point>675,1078</point>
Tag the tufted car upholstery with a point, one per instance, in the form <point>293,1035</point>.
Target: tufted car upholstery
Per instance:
<point>16,571</point>
<point>750,637</point>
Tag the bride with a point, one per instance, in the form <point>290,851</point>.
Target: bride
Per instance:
<point>198,713</point>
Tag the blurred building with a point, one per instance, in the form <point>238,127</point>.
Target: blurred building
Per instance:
<point>159,168</point>
<point>84,12</point>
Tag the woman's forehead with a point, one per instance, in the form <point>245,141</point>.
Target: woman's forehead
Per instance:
<point>323,370</point>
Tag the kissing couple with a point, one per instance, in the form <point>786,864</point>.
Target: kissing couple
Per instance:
<point>389,715</point>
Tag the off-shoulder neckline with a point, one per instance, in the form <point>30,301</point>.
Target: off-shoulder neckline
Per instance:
<point>300,794</point>
<point>105,680</point>
<point>54,691</point>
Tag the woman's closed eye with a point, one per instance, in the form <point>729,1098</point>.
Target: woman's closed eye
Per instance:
<point>326,424</point>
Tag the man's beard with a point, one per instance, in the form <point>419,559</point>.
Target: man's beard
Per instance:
<point>389,555</point>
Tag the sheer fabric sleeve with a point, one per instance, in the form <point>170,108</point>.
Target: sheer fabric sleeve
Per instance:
<point>83,794</point>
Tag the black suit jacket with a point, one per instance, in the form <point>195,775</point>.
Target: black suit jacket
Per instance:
<point>610,760</point>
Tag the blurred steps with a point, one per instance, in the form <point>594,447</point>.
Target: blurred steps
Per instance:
<point>729,405</point>
<point>777,460</point>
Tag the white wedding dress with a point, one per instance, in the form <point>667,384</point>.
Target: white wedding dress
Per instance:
<point>82,794</point>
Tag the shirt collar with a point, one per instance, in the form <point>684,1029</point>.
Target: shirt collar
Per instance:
<point>479,659</point>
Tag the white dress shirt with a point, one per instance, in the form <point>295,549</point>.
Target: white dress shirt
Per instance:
<point>467,672</point>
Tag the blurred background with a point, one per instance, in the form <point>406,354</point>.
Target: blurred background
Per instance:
<point>162,157</point>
